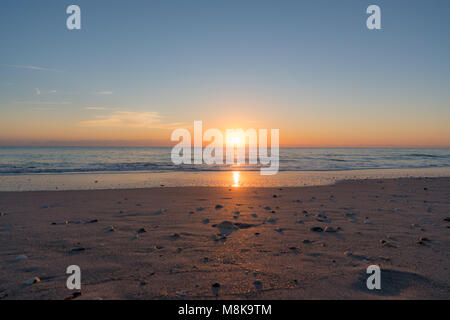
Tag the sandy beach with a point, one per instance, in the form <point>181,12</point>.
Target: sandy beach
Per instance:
<point>256,243</point>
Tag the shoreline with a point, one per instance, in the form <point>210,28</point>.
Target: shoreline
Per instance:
<point>257,243</point>
<point>148,179</point>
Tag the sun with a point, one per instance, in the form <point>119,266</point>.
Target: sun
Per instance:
<point>236,140</point>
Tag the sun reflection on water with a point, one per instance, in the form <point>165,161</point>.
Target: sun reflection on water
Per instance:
<point>236,177</point>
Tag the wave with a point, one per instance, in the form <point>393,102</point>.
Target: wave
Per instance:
<point>84,160</point>
<point>167,168</point>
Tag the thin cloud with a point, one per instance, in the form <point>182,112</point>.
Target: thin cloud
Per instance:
<point>38,92</point>
<point>42,102</point>
<point>42,109</point>
<point>171,126</point>
<point>29,67</point>
<point>95,108</point>
<point>125,119</point>
<point>104,92</point>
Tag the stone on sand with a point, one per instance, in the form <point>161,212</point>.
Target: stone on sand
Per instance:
<point>226,227</point>
<point>31,281</point>
<point>76,250</point>
<point>215,288</point>
<point>175,236</point>
<point>61,223</point>
<point>272,220</point>
<point>387,244</point>
<point>20,257</point>
<point>330,229</point>
<point>258,284</point>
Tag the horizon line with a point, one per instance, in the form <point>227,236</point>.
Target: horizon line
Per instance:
<point>171,146</point>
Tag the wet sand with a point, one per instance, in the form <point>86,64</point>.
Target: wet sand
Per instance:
<point>241,178</point>
<point>256,243</point>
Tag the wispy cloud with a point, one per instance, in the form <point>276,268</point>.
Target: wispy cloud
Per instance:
<point>42,109</point>
<point>95,108</point>
<point>38,92</point>
<point>29,67</point>
<point>171,126</point>
<point>42,102</point>
<point>125,119</point>
<point>104,92</point>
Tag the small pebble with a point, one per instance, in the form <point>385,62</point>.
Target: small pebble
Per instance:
<point>175,236</point>
<point>330,229</point>
<point>258,284</point>
<point>316,229</point>
<point>272,220</point>
<point>216,288</point>
<point>31,281</point>
<point>159,211</point>
<point>20,257</point>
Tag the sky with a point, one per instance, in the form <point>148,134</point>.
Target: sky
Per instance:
<point>139,69</point>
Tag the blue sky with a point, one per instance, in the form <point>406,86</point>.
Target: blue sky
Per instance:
<point>310,68</point>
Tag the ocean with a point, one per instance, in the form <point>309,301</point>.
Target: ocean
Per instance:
<point>85,168</point>
<point>28,160</point>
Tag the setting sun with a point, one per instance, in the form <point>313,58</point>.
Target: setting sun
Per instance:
<point>236,140</point>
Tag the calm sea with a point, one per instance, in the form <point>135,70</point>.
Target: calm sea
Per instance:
<point>20,160</point>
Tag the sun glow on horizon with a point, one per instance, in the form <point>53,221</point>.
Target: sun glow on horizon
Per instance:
<point>236,140</point>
